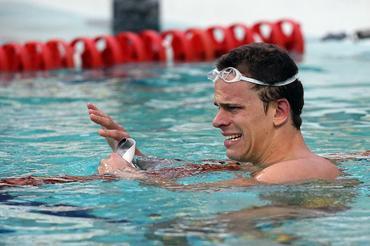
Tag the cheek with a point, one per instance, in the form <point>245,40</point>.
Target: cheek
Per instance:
<point>252,118</point>
<point>255,123</point>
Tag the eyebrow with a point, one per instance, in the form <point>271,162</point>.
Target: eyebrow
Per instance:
<point>226,104</point>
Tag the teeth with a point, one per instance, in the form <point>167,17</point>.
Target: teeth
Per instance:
<point>233,137</point>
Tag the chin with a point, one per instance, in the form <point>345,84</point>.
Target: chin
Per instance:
<point>233,156</point>
<point>238,156</point>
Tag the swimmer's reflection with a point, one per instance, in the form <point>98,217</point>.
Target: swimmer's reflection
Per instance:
<point>290,204</point>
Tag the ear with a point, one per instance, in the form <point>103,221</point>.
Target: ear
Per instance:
<point>282,112</point>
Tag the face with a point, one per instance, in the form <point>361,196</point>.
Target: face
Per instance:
<point>243,121</point>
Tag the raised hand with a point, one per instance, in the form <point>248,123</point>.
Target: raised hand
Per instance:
<point>112,131</point>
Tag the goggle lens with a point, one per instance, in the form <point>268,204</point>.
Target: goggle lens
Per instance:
<point>229,75</point>
<point>212,75</point>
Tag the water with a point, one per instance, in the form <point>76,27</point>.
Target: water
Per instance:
<point>45,131</point>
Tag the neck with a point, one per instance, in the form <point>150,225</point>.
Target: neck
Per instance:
<point>280,149</point>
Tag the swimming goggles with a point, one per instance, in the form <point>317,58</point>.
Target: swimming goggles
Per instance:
<point>126,149</point>
<point>231,74</point>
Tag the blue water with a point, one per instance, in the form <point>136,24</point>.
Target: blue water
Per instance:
<point>45,131</point>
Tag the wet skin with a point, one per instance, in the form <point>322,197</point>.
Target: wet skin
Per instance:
<point>267,139</point>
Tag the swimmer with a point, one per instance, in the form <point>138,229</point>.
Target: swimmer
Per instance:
<point>259,99</point>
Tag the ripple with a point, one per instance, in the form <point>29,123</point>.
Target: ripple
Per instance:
<point>45,131</point>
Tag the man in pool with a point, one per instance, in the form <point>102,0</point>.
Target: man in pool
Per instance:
<point>259,99</point>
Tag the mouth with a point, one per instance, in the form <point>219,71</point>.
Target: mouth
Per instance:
<point>233,138</point>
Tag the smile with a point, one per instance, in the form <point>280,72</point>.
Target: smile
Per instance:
<point>234,137</point>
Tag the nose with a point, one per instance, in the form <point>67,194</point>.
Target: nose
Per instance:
<point>221,119</point>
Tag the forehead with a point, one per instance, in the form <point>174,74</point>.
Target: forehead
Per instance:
<point>238,92</point>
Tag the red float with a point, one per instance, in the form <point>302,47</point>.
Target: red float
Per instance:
<point>293,42</point>
<point>11,51</point>
<point>31,56</point>
<point>90,56</point>
<point>201,44</point>
<point>57,54</point>
<point>182,51</point>
<point>273,35</point>
<point>194,44</point>
<point>153,44</point>
<point>3,61</point>
<point>112,53</point>
<point>132,47</point>
<point>247,37</point>
<point>221,44</point>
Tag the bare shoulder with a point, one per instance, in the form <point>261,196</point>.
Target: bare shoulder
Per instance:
<point>311,168</point>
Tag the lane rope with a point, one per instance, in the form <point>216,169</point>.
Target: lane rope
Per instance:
<point>191,45</point>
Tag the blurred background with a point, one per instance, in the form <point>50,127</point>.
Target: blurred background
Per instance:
<point>23,20</point>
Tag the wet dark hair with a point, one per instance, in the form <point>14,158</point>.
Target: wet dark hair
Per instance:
<point>271,64</point>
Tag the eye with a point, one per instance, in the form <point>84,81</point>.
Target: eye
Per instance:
<point>233,108</point>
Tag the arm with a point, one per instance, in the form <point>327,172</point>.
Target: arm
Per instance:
<point>111,130</point>
<point>36,181</point>
<point>120,168</point>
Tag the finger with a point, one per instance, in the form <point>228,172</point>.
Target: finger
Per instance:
<point>112,143</point>
<point>105,122</point>
<point>108,122</point>
<point>93,110</point>
<point>114,134</point>
<point>91,106</point>
<point>98,113</point>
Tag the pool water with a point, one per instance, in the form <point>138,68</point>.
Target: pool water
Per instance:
<point>168,109</point>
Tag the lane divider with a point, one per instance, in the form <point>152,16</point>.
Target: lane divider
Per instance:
<point>59,55</point>
<point>191,45</point>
